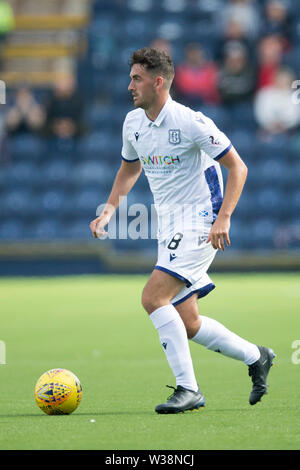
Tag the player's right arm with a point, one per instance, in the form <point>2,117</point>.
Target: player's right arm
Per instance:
<point>125,179</point>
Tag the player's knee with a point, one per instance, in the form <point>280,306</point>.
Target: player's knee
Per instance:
<point>148,302</point>
<point>151,302</point>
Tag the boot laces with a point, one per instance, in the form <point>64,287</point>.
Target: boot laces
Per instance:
<point>175,390</point>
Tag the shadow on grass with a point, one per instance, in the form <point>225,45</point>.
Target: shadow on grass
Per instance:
<point>92,414</point>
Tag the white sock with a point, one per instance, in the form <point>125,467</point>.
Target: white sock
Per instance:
<point>215,336</point>
<point>173,337</point>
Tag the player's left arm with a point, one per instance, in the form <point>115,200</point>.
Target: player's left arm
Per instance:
<point>237,174</point>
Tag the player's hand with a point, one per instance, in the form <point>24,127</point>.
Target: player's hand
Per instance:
<point>219,234</point>
<point>97,226</point>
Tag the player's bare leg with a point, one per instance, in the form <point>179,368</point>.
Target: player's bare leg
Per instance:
<point>214,336</point>
<point>156,300</point>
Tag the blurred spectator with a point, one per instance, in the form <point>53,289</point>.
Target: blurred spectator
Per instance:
<point>233,32</point>
<point>196,77</point>
<point>64,109</point>
<point>25,115</point>
<point>274,107</point>
<point>162,44</point>
<point>245,13</point>
<point>7,22</point>
<point>237,78</point>
<point>277,20</point>
<point>270,57</point>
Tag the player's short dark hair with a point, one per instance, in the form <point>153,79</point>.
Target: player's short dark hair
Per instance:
<point>154,60</point>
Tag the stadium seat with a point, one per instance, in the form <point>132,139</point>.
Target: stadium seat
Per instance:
<point>170,30</point>
<point>242,116</point>
<point>270,172</point>
<point>98,117</point>
<point>244,141</point>
<point>12,229</point>
<point>239,231</point>
<point>92,173</point>
<point>77,229</point>
<point>22,174</point>
<point>44,229</point>
<point>55,173</point>
<point>137,26</point>
<point>270,201</point>
<point>263,233</point>
<point>52,201</point>
<point>246,206</point>
<point>218,114</point>
<point>61,148</point>
<point>94,145</point>
<point>274,147</point>
<point>294,201</point>
<point>87,200</point>
<point>26,147</point>
<point>18,202</point>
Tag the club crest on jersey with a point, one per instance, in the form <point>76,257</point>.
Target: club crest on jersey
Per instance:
<point>174,136</point>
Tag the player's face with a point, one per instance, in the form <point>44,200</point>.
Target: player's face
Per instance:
<point>142,87</point>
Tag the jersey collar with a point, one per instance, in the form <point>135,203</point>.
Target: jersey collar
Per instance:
<point>161,115</point>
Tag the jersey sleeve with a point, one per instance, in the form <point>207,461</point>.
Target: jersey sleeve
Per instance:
<point>207,136</point>
<point>128,152</point>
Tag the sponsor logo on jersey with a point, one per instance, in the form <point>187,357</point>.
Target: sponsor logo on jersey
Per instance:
<point>172,256</point>
<point>214,141</point>
<point>136,135</point>
<point>160,160</point>
<point>174,136</point>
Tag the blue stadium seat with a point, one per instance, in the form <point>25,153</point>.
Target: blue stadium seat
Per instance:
<point>44,229</point>
<point>270,201</point>
<point>294,175</point>
<point>239,232</point>
<point>27,147</point>
<point>119,89</point>
<point>275,147</point>
<point>242,116</point>
<point>18,202</point>
<point>246,206</point>
<point>61,148</point>
<point>171,30</point>
<point>137,26</point>
<point>263,232</point>
<point>101,7</point>
<point>12,229</point>
<point>218,114</point>
<point>243,141</point>
<point>22,174</point>
<point>87,200</point>
<point>98,117</point>
<point>270,172</point>
<point>94,145</point>
<point>102,25</point>
<point>4,174</point>
<point>52,201</point>
<point>77,229</point>
<point>92,173</point>
<point>55,172</point>
<point>294,201</point>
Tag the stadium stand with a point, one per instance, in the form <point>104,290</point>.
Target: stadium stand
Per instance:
<point>44,179</point>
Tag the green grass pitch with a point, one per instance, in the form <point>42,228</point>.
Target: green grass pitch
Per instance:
<point>96,327</point>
